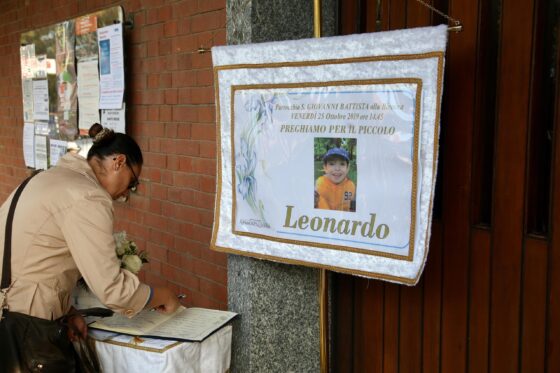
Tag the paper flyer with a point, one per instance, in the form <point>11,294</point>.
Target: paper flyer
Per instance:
<point>88,94</point>
<point>111,66</point>
<point>114,119</point>
<point>57,149</point>
<point>41,152</point>
<point>41,99</point>
<point>29,144</point>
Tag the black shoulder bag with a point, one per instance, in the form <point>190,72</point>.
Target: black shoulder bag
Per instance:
<point>27,343</point>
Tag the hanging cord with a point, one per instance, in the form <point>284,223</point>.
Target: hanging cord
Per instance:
<point>456,27</point>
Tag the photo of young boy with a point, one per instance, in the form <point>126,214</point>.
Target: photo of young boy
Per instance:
<point>335,190</point>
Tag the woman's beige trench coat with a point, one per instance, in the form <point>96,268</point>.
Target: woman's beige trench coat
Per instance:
<point>63,227</point>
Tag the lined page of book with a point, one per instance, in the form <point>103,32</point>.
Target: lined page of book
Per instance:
<point>189,324</point>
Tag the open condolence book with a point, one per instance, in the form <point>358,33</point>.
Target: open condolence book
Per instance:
<point>186,324</point>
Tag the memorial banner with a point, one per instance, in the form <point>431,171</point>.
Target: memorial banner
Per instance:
<point>328,150</point>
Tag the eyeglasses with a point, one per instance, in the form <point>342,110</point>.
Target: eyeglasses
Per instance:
<point>134,183</point>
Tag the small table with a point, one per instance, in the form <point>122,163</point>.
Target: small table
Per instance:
<point>121,354</point>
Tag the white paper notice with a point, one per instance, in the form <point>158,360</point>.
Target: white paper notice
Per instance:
<point>27,88</point>
<point>41,152</point>
<point>88,93</point>
<point>40,99</point>
<point>114,119</point>
<point>111,66</point>
<point>58,148</point>
<point>29,144</point>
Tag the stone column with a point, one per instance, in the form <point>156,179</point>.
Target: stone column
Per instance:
<point>278,330</point>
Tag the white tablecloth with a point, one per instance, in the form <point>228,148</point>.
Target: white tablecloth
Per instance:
<point>213,355</point>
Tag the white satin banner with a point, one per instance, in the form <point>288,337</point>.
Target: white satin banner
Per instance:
<point>328,150</point>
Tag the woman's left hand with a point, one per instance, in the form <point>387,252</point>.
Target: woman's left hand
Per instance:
<point>77,328</point>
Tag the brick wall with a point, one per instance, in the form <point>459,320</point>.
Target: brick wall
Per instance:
<point>170,112</point>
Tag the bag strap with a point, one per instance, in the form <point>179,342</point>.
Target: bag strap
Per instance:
<point>7,265</point>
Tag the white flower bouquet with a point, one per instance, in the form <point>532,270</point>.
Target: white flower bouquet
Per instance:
<point>127,251</point>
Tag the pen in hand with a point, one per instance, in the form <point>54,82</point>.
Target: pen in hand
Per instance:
<point>179,296</point>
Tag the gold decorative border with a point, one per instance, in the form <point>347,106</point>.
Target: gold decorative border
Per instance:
<point>136,347</point>
<point>414,189</point>
<point>439,55</point>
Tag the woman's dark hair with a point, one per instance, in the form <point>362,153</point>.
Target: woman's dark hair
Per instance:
<point>106,142</point>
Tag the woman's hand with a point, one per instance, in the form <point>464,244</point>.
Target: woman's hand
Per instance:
<point>163,300</point>
<point>77,327</point>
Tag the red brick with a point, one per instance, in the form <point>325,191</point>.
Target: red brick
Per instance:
<point>184,26</point>
<point>137,231</point>
<point>155,221</point>
<point>170,130</point>
<point>152,48</point>
<point>156,252</point>
<point>172,165</point>
<point>137,81</point>
<point>165,80</point>
<point>171,97</point>
<point>190,248</point>
<point>185,180</point>
<point>152,32</point>
<point>165,47</point>
<point>152,174</point>
<point>170,28</point>
<point>186,43</point>
<point>158,191</point>
<point>207,216</point>
<point>207,270</point>
<point>174,195</point>
<point>169,272</point>
<point>217,258</point>
<point>208,184</point>
<point>154,145</point>
<point>203,132</point>
<point>183,113</point>
<point>155,206</point>
<point>186,213</point>
<point>220,37</point>
<point>206,21</point>
<point>204,200</point>
<point>200,61</point>
<point>206,114</point>
<point>165,13</point>
<point>185,96</point>
<point>165,115</point>
<point>204,166</point>
<point>201,234</point>
<point>214,290</point>
<point>153,113</point>
<point>202,300</point>
<point>184,78</point>
<point>207,149</point>
<point>162,238</point>
<point>187,147</point>
<point>204,78</point>
<point>155,279</point>
<point>202,95</point>
<point>184,8</point>
<point>207,5</point>
<point>190,282</point>
<point>151,16</point>
<point>153,266</point>
<point>155,160</point>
